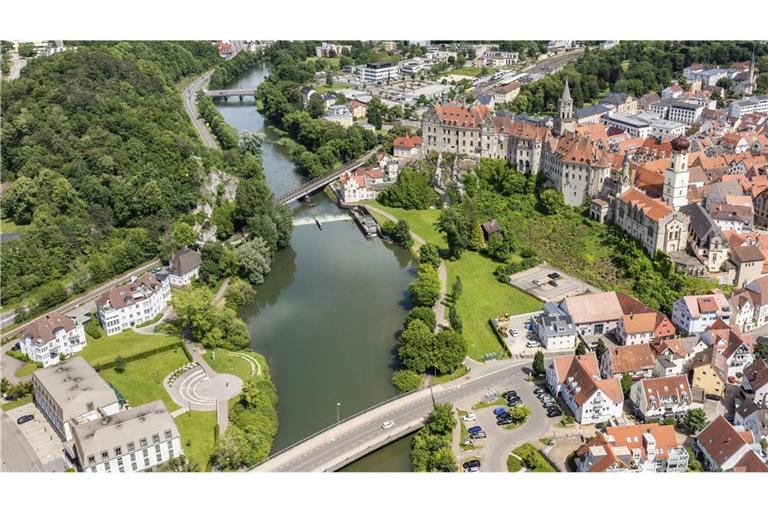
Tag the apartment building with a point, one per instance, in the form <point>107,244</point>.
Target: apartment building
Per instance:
<point>128,305</point>
<point>51,337</point>
<point>693,314</point>
<point>633,448</point>
<point>378,72</point>
<point>661,397</point>
<point>637,361</point>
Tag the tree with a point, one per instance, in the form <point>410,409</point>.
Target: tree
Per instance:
<point>538,364</point>
<point>600,349</point>
<point>425,314</point>
<point>429,255</point>
<point>453,223</point>
<point>694,420</point>
<point>120,364</point>
<point>476,240</point>
<point>251,143</point>
<point>316,106</point>
<point>761,350</point>
<point>191,302</point>
<point>184,235</point>
<point>454,319</point>
<point>254,260</point>
<point>180,464</point>
<point>626,384</point>
<point>26,50</point>
<point>450,349</point>
<point>406,380</point>
<point>411,191</point>
<point>519,413</point>
<point>415,347</point>
<point>398,232</point>
<point>239,293</point>
<point>581,348</point>
<point>4,385</point>
<point>425,290</point>
<point>456,289</point>
<point>551,202</point>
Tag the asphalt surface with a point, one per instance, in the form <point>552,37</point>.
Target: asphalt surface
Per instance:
<point>539,67</point>
<point>190,105</point>
<point>16,454</point>
<point>345,442</point>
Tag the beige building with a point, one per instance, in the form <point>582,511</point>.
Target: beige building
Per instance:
<point>651,221</point>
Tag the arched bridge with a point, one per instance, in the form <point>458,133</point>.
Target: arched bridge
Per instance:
<point>341,444</point>
<point>230,93</point>
<point>321,181</point>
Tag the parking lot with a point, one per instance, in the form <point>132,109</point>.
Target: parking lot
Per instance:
<point>45,443</point>
<point>522,344</point>
<point>549,284</point>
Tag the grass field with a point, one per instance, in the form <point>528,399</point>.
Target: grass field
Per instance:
<point>142,380</point>
<point>513,464</point>
<point>196,429</point>
<point>336,86</point>
<point>330,62</point>
<point>472,72</point>
<point>533,459</point>
<point>127,343</point>
<point>8,226</point>
<point>483,297</point>
<point>17,403</point>
<point>25,370</point>
<point>225,362</point>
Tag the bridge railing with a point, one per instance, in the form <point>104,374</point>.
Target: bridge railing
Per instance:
<point>334,425</point>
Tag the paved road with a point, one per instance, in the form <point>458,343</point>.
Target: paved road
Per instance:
<point>190,105</point>
<point>17,64</point>
<point>16,454</point>
<point>345,442</point>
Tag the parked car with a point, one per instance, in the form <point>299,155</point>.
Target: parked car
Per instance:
<point>554,413</point>
<point>471,464</point>
<point>479,435</point>
<point>515,400</point>
<point>388,424</point>
<point>532,344</point>
<point>509,394</point>
<point>499,410</point>
<point>504,421</point>
<point>514,332</point>
<point>469,417</point>
<point>25,418</point>
<point>539,391</point>
<point>475,429</point>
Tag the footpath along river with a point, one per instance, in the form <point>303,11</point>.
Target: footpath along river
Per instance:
<point>328,315</point>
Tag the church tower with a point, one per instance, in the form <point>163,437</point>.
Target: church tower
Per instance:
<point>626,179</point>
<point>676,176</point>
<point>564,121</point>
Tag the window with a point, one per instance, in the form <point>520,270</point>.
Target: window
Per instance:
<point>168,434</point>
<point>104,455</point>
<point>143,442</point>
<point>155,438</point>
<point>118,451</point>
<point>134,466</point>
<point>131,446</point>
<point>106,465</point>
<point>91,460</point>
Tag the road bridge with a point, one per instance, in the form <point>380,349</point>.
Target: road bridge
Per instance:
<point>230,93</point>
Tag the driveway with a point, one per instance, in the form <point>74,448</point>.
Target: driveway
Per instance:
<point>37,443</point>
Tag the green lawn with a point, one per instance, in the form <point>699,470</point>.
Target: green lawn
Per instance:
<point>460,372</point>
<point>17,403</point>
<point>496,403</point>
<point>483,297</point>
<point>513,464</point>
<point>533,459</point>
<point>224,362</point>
<point>196,428</point>
<point>336,86</point>
<point>142,381</point>
<point>127,343</point>
<point>25,370</point>
<point>330,62</point>
<point>8,226</point>
<point>471,72</point>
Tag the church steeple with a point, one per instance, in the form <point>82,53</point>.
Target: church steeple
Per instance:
<point>676,176</point>
<point>626,175</point>
<point>564,119</point>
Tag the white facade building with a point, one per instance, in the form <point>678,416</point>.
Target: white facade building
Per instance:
<point>50,337</point>
<point>184,267</point>
<point>378,72</point>
<point>695,313</point>
<point>131,304</point>
<point>662,397</point>
<point>133,440</point>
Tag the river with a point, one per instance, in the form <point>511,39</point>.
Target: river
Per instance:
<point>327,316</point>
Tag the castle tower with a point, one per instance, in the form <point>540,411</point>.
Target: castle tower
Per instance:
<point>564,121</point>
<point>676,176</point>
<point>626,180</point>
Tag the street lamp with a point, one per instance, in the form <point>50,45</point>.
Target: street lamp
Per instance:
<point>338,404</point>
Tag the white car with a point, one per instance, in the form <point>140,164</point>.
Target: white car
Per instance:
<point>531,344</point>
<point>388,424</point>
<point>515,332</point>
<point>469,417</point>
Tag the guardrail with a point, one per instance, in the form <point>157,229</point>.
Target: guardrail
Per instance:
<point>334,425</point>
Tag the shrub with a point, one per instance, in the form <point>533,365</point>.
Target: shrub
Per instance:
<point>406,380</point>
<point>93,329</point>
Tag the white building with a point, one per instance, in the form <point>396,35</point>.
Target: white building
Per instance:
<point>755,104</point>
<point>662,397</point>
<point>725,447</point>
<point>51,337</point>
<point>184,267</point>
<point>132,440</point>
<point>378,72</point>
<point>576,380</point>
<point>634,126</point>
<point>131,304</point>
<point>750,305</point>
<point>633,448</point>
<point>555,328</point>
<point>695,313</point>
<point>331,49</point>
<point>72,393</point>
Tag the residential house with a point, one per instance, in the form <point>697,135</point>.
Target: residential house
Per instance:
<point>339,114</point>
<point>725,447</point>
<point>674,356</point>
<point>131,304</point>
<point>633,448</point>
<point>576,380</point>
<point>51,337</point>
<point>693,314</point>
<point>357,108</point>
<point>621,102</point>
<point>644,327</point>
<point>754,382</point>
<point>361,184</point>
<point>135,439</point>
<point>555,328</point>
<point>71,393</point>
<point>661,397</point>
<point>637,361</point>
<point>752,417</point>
<point>506,93</point>
<point>184,267</point>
<point>576,166</point>
<point>407,146</point>
<point>600,313</point>
<point>748,261</point>
<point>733,350</point>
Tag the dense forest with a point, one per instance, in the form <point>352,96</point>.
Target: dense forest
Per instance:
<point>103,162</point>
<point>636,67</point>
